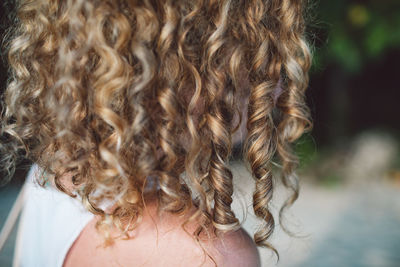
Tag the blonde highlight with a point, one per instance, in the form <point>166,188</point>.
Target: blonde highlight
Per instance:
<point>117,94</point>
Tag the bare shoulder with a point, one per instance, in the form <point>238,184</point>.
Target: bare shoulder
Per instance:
<point>236,249</point>
<point>160,240</point>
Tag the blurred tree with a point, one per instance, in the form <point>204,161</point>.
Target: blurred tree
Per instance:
<point>353,83</point>
<point>359,31</point>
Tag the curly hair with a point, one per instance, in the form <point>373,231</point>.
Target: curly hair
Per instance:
<point>116,95</point>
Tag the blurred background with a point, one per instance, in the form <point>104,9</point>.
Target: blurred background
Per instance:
<point>348,212</point>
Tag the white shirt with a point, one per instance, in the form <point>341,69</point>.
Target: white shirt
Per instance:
<point>50,223</point>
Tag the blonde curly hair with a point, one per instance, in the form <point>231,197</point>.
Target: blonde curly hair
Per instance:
<point>111,93</point>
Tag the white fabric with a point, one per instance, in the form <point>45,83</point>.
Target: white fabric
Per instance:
<point>50,223</point>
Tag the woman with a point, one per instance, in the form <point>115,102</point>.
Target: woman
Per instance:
<point>133,107</point>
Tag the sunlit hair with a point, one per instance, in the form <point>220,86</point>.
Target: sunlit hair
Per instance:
<point>117,95</point>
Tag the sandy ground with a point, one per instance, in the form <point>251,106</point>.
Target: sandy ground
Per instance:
<point>348,225</point>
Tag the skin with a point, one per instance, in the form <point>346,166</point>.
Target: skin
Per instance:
<point>159,239</point>
<point>173,247</point>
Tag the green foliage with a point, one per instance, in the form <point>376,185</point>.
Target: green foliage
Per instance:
<point>305,149</point>
<point>331,180</point>
<point>354,33</point>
